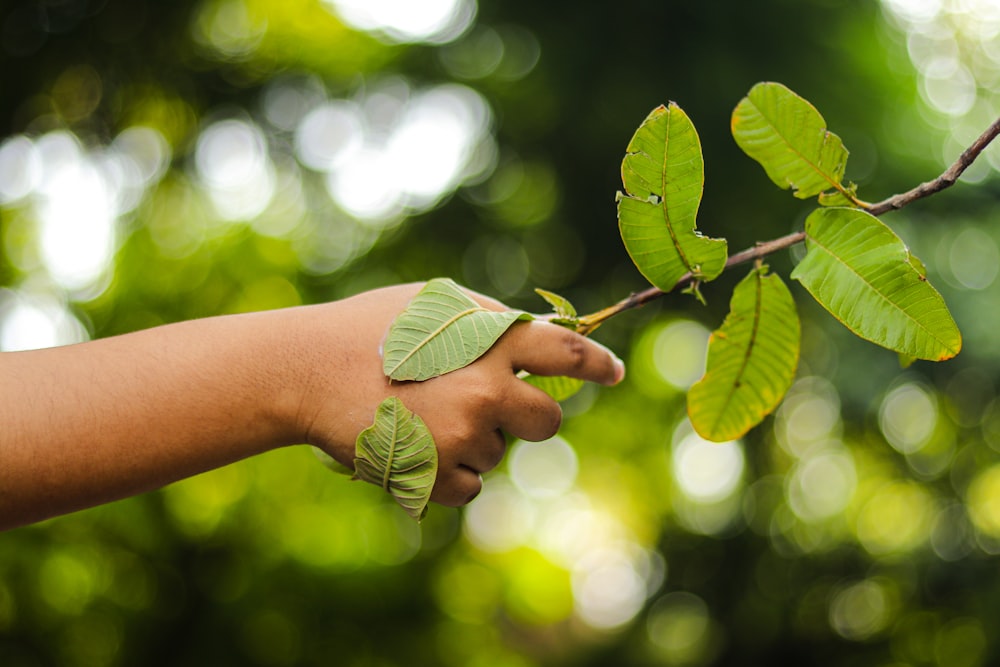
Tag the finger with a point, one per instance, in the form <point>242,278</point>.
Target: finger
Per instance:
<point>529,413</point>
<point>461,463</point>
<point>543,348</point>
<point>487,302</point>
<point>483,454</point>
<point>456,487</point>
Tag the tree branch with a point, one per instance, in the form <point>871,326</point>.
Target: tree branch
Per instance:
<point>588,323</point>
<point>945,180</point>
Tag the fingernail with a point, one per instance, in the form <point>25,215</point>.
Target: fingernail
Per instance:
<point>619,370</point>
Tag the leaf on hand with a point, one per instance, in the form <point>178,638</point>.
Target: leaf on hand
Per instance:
<point>398,453</point>
<point>861,272</point>
<point>788,137</point>
<point>441,330</point>
<point>751,360</point>
<point>663,177</point>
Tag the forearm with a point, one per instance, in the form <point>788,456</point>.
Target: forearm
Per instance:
<point>90,423</point>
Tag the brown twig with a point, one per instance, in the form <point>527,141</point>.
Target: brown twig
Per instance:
<point>945,180</point>
<point>588,323</point>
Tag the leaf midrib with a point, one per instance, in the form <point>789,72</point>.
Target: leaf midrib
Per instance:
<point>663,195</point>
<point>815,167</point>
<point>434,334</point>
<point>391,454</point>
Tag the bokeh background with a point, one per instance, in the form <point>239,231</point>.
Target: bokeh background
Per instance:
<point>161,161</point>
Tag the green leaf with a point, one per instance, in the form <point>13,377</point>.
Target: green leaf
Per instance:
<point>560,304</point>
<point>558,387</point>
<point>861,272</point>
<point>663,176</point>
<point>398,453</point>
<point>788,137</point>
<point>441,330</point>
<point>751,360</point>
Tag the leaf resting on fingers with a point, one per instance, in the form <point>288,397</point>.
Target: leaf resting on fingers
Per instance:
<point>441,330</point>
<point>397,452</point>
<point>559,387</point>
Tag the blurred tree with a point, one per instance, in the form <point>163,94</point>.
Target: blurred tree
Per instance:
<point>170,160</point>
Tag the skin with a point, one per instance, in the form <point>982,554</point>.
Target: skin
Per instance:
<point>95,422</point>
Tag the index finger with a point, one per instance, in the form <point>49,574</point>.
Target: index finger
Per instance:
<point>543,348</point>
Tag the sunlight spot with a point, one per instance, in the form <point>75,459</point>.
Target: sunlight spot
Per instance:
<point>20,169</point>
<point>398,152</point>
<point>679,626</point>
<point>146,150</point>
<point>288,99</point>
<point>707,471</point>
<point>809,416</point>
<point>608,590</point>
<point>679,352</point>
<point>569,528</point>
<point>896,519</point>
<point>918,11</point>
<point>821,486</point>
<point>973,258</point>
<point>434,21</point>
<point>543,469</point>
<point>32,323</point>
<point>860,610</point>
<point>362,188</point>
<point>983,497</point>
<point>500,518</point>
<point>227,26</point>
<point>952,535</point>
<point>329,135</point>
<point>77,214</point>
<point>475,56</point>
<point>950,92</point>
<point>232,160</point>
<point>908,416</point>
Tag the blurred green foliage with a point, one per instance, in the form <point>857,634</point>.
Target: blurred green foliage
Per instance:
<point>171,160</point>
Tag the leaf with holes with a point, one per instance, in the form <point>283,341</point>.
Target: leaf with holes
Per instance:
<point>663,177</point>
<point>861,272</point>
<point>441,330</point>
<point>788,137</point>
<point>397,453</point>
<point>751,360</point>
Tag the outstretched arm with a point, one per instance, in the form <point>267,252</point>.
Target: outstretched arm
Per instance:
<point>85,424</point>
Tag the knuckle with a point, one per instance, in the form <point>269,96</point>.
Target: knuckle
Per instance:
<point>456,489</point>
<point>576,349</point>
<point>494,451</point>
<point>480,396</point>
<point>464,431</point>
<point>548,423</point>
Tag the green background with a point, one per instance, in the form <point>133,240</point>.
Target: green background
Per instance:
<point>858,526</point>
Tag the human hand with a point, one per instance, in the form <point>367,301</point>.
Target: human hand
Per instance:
<point>468,411</point>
